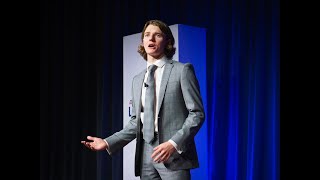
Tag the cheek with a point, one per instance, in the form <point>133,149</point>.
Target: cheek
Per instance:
<point>144,44</point>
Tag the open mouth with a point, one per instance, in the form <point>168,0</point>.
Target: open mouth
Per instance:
<point>151,45</point>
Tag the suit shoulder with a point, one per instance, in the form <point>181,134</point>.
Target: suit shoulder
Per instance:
<point>181,65</point>
<point>140,74</point>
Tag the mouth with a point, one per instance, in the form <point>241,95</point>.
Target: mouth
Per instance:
<point>151,45</point>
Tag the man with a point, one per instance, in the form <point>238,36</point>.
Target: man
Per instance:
<point>167,111</point>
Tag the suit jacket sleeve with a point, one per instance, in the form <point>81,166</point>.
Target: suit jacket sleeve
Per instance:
<point>192,97</point>
<point>127,134</point>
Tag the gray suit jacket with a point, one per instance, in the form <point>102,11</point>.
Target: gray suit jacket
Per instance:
<point>181,115</point>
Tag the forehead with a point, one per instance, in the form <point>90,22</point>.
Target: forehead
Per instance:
<point>152,29</point>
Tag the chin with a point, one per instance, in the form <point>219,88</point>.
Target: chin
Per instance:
<point>151,50</point>
<point>152,53</point>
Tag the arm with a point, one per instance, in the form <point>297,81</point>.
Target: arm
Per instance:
<point>127,134</point>
<point>192,97</point>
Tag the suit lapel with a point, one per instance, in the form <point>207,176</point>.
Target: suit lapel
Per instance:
<point>164,81</point>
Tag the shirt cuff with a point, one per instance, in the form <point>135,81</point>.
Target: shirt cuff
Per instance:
<point>175,146</point>
<point>107,146</point>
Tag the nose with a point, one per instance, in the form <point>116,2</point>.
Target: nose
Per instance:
<point>152,38</point>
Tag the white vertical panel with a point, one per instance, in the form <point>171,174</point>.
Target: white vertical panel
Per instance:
<point>133,63</point>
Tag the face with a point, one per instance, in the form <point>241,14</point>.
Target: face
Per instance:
<point>154,42</point>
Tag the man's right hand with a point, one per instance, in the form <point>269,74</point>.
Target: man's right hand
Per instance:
<point>95,143</point>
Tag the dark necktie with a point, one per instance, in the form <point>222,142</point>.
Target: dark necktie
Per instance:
<point>149,107</point>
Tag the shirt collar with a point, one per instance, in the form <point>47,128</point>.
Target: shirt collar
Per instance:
<point>160,62</point>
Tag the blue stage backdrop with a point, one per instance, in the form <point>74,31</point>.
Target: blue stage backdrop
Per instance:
<point>243,92</point>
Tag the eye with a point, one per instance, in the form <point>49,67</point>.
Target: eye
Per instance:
<point>159,35</point>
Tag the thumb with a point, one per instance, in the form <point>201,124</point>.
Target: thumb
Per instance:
<point>90,138</point>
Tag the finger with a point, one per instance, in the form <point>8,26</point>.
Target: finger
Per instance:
<point>155,153</point>
<point>90,138</point>
<point>162,159</point>
<point>160,156</point>
<point>154,149</point>
<point>165,158</point>
<point>87,144</point>
<point>156,159</point>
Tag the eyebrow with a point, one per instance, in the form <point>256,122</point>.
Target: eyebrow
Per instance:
<point>154,33</point>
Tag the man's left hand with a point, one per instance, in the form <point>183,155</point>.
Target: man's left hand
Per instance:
<point>162,152</point>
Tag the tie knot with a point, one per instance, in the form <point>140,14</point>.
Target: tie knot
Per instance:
<point>152,68</point>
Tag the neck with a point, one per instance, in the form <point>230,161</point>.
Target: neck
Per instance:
<point>152,59</point>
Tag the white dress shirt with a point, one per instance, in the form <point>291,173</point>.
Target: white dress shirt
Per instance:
<point>158,77</point>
